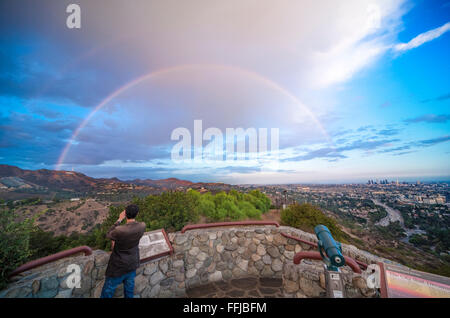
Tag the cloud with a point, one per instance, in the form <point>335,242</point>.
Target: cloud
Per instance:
<point>388,132</point>
<point>37,78</point>
<point>57,126</point>
<point>364,128</point>
<point>26,140</point>
<point>422,38</point>
<point>306,44</point>
<point>386,104</point>
<point>366,144</point>
<point>437,99</point>
<point>409,147</point>
<point>343,132</point>
<point>403,153</point>
<point>429,118</point>
<point>319,153</point>
<point>400,148</point>
<point>337,153</point>
<point>48,113</point>
<point>367,131</point>
<point>432,141</point>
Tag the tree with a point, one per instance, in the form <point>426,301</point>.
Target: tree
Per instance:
<point>14,243</point>
<point>306,217</point>
<point>207,207</point>
<point>170,210</point>
<point>265,201</point>
<point>249,210</point>
<point>21,241</point>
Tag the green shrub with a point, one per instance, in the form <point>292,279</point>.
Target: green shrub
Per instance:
<point>418,239</point>
<point>14,243</point>
<point>306,216</point>
<point>250,211</point>
<point>22,242</point>
<point>170,210</point>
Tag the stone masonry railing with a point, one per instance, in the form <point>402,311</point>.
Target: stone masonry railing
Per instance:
<point>200,257</point>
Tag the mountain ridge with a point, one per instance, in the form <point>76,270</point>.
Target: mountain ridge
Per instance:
<point>61,179</point>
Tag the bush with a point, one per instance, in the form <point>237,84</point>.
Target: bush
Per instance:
<point>392,231</point>
<point>418,240</point>
<point>173,210</point>
<point>233,205</point>
<point>14,243</point>
<point>22,242</point>
<point>378,215</point>
<point>170,210</point>
<point>306,216</point>
<point>261,200</point>
<point>44,243</point>
<point>206,207</point>
<point>249,210</point>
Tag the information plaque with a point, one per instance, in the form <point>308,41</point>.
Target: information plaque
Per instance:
<point>153,245</point>
<point>403,282</point>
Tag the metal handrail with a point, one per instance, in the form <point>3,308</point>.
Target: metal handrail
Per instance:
<point>51,258</point>
<point>316,256</point>
<point>207,225</point>
<point>300,240</point>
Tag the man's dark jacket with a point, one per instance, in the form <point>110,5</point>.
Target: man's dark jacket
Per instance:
<point>125,255</point>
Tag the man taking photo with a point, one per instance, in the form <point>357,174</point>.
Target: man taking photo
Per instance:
<point>124,258</point>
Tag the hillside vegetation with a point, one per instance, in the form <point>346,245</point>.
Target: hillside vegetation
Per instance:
<point>306,216</point>
<point>21,241</point>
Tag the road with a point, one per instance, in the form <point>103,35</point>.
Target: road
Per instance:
<point>393,215</point>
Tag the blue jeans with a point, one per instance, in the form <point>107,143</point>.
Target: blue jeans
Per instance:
<point>111,284</point>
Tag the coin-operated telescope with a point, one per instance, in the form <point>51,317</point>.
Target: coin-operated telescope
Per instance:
<point>331,252</point>
<point>329,249</point>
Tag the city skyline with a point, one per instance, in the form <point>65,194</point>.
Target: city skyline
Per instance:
<point>358,91</point>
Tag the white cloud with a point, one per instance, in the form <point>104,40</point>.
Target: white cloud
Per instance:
<point>422,38</point>
<point>299,44</point>
<point>340,64</point>
<point>357,35</point>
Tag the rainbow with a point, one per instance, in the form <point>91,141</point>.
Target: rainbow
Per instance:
<point>179,68</point>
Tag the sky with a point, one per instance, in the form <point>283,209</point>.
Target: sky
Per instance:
<point>356,90</point>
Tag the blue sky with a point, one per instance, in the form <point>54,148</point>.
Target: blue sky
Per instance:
<point>358,89</point>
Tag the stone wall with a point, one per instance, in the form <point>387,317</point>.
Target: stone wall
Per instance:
<point>200,257</point>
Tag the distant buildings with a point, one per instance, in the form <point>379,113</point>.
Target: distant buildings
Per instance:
<point>385,181</point>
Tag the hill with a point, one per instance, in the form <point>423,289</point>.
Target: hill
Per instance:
<point>15,179</point>
<point>44,178</point>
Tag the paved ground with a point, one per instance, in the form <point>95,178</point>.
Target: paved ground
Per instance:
<point>249,287</point>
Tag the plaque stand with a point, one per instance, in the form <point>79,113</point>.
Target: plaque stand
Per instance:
<point>153,245</point>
